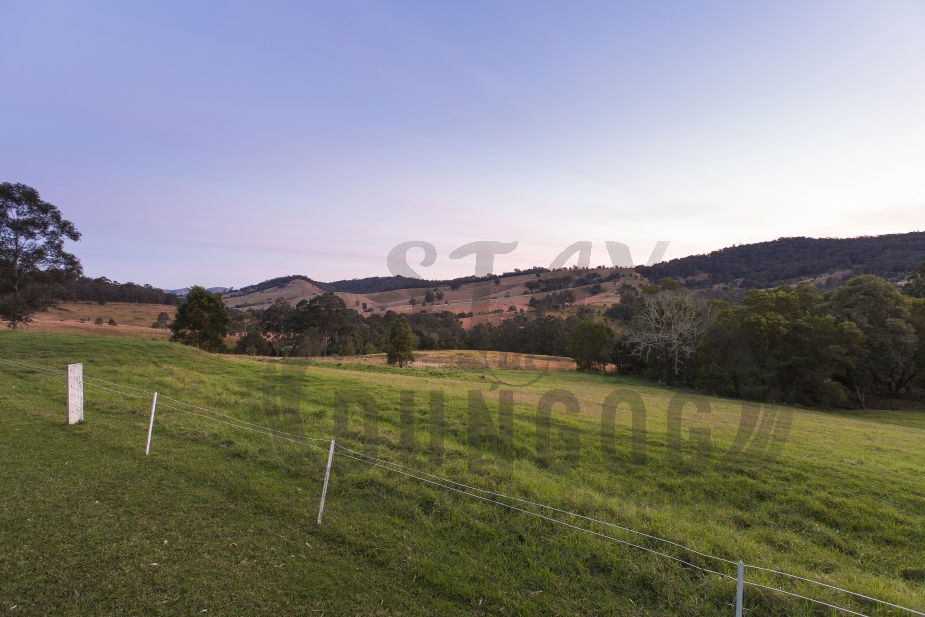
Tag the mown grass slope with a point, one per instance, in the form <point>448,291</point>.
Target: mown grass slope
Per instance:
<point>222,520</point>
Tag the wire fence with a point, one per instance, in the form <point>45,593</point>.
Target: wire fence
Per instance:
<point>484,495</point>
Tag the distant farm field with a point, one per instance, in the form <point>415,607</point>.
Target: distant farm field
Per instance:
<point>467,359</point>
<point>132,319</point>
<point>218,520</point>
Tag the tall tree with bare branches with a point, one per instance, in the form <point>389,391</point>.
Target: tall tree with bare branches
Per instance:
<point>669,327</point>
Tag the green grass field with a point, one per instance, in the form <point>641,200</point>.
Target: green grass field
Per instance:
<point>220,521</point>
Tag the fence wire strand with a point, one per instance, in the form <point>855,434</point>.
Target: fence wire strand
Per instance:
<point>95,385</point>
<point>373,461</point>
<point>244,428</point>
<point>465,489</point>
<point>541,505</point>
<point>261,426</point>
<point>538,515</point>
<point>796,595</point>
<point>34,368</point>
<point>117,385</point>
<point>820,583</point>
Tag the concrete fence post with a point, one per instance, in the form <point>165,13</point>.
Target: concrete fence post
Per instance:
<point>327,476</point>
<point>75,393</point>
<point>740,588</point>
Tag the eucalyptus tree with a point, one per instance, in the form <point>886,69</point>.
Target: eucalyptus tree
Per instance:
<point>400,346</point>
<point>891,357</point>
<point>32,256</point>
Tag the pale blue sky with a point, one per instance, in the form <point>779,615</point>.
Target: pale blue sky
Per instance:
<point>225,143</point>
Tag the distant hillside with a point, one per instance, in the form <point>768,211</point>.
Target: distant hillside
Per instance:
<point>494,297</point>
<point>825,261</point>
<point>185,290</point>
<point>279,281</point>
<point>262,295</point>
<point>373,284</point>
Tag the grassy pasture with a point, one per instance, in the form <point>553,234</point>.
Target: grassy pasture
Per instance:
<point>222,520</point>
<point>125,313</point>
<point>133,319</point>
<point>466,359</point>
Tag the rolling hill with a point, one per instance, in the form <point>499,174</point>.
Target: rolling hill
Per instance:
<point>824,261</point>
<point>185,290</point>
<point>493,297</point>
<point>827,262</point>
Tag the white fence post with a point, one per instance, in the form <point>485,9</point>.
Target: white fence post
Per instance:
<point>75,393</point>
<point>740,588</point>
<point>151,424</point>
<point>324,487</point>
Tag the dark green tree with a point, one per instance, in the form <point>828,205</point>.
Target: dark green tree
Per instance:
<point>590,344</point>
<point>669,284</point>
<point>400,349</point>
<point>625,309</point>
<point>915,285</point>
<point>482,336</point>
<point>436,330</point>
<point>276,322</point>
<point>201,321</point>
<point>546,335</point>
<point>890,360</point>
<point>253,343</point>
<point>779,345</point>
<point>163,319</point>
<point>917,318</point>
<point>326,318</point>
<point>32,255</point>
<point>241,322</point>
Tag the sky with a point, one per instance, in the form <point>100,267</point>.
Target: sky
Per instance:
<point>224,143</point>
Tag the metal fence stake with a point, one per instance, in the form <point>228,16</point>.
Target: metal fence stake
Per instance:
<point>324,487</point>
<point>151,424</point>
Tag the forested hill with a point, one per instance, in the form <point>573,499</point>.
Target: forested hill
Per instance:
<point>372,284</point>
<point>365,285</point>
<point>827,261</point>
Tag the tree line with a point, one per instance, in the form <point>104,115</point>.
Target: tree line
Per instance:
<point>790,344</point>
<point>325,326</point>
<point>322,326</point>
<point>102,290</point>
